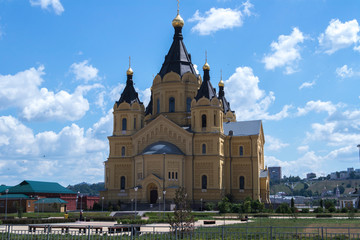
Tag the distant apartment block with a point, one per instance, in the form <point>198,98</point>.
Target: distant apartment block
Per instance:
<point>275,173</point>
<point>310,175</point>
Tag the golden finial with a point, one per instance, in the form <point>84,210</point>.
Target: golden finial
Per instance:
<point>129,71</point>
<point>178,21</point>
<point>221,83</point>
<point>206,65</point>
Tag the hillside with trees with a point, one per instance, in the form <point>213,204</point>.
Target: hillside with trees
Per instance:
<point>87,188</point>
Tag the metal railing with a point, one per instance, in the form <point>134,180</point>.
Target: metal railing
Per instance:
<point>151,232</point>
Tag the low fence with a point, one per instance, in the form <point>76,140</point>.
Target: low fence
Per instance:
<point>150,232</point>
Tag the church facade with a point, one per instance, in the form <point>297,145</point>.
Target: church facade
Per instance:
<point>187,136</point>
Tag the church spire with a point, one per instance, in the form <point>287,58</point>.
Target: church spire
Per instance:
<point>225,103</point>
<point>178,59</point>
<point>206,89</point>
<point>129,94</point>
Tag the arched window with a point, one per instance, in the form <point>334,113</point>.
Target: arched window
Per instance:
<point>134,123</point>
<point>188,104</point>
<point>124,123</point>
<point>214,120</point>
<point>204,182</point>
<point>203,149</point>
<point>122,183</point>
<point>242,183</point>
<point>123,151</point>
<point>171,104</point>
<point>241,150</point>
<point>203,121</point>
<point>158,105</point>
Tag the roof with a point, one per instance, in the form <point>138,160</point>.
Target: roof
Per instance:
<point>243,128</point>
<point>149,108</point>
<point>206,89</point>
<point>225,103</point>
<point>50,200</point>
<point>14,196</point>
<point>178,59</point>
<point>162,148</point>
<point>39,187</point>
<point>129,94</point>
<point>3,188</point>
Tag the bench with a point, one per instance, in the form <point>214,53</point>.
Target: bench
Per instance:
<point>207,222</point>
<point>121,228</point>
<point>65,228</point>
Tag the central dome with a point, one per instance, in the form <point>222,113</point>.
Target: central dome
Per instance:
<point>162,148</point>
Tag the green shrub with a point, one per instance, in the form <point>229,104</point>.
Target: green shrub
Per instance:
<point>332,209</point>
<point>283,208</point>
<point>344,210</point>
<point>304,210</point>
<point>318,210</point>
<point>209,206</point>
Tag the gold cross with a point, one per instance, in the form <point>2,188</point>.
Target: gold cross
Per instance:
<point>129,61</point>
<point>178,6</point>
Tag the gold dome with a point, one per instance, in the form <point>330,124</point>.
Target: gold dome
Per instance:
<point>178,21</point>
<point>206,66</point>
<point>221,83</point>
<point>129,71</point>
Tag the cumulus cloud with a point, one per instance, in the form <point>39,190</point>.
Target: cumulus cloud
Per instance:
<point>307,85</point>
<point>84,71</point>
<point>274,144</point>
<point>37,103</point>
<point>317,106</point>
<point>285,52</point>
<point>25,154</point>
<point>344,72</point>
<point>49,4</point>
<point>339,35</point>
<point>247,99</point>
<point>219,18</point>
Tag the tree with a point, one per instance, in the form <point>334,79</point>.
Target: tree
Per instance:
<point>183,220</point>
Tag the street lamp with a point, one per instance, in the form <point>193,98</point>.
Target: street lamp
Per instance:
<point>201,204</point>
<point>159,204</point>
<point>77,200</point>
<point>136,188</point>
<point>164,192</point>
<point>81,202</point>
<point>102,204</point>
<point>6,191</point>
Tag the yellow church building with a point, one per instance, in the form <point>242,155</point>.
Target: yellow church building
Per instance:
<point>187,136</point>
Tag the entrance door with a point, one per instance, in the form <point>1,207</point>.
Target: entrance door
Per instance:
<point>153,196</point>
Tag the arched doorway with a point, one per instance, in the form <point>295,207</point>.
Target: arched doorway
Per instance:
<point>152,193</point>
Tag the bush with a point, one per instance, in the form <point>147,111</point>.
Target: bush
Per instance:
<point>224,205</point>
<point>283,208</point>
<point>304,210</point>
<point>25,221</point>
<point>209,206</point>
<point>344,210</point>
<point>332,209</point>
<point>323,215</point>
<point>318,210</point>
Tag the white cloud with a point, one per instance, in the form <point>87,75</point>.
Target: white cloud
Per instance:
<point>84,71</point>
<point>357,48</point>
<point>339,35</point>
<point>302,149</point>
<point>285,52</point>
<point>37,103</point>
<point>116,92</point>
<point>344,72</point>
<point>317,106</point>
<point>219,18</point>
<point>46,4</point>
<point>144,96</point>
<point>274,144</point>
<point>62,155</point>
<point>247,99</point>
<point>307,85</point>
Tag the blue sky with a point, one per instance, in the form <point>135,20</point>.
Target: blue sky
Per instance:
<point>294,64</point>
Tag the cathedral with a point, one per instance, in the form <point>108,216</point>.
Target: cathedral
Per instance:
<point>187,136</point>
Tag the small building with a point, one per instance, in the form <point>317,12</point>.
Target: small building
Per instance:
<point>349,202</point>
<point>275,174</point>
<point>36,190</point>
<point>15,202</point>
<point>310,175</point>
<point>50,205</point>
